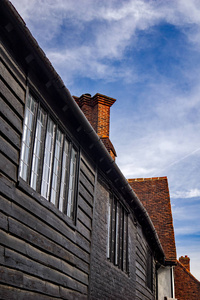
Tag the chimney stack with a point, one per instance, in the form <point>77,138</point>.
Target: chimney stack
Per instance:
<point>97,111</point>
<point>185,261</point>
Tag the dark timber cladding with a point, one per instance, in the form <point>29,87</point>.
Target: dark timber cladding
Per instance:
<point>43,252</point>
<point>46,253</point>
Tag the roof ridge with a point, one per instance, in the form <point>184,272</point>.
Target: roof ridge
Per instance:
<point>147,179</point>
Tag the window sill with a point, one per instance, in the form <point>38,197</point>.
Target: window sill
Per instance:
<point>22,185</point>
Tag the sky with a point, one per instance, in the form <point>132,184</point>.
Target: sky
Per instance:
<point>145,54</point>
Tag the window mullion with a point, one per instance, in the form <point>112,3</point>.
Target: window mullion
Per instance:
<point>45,163</point>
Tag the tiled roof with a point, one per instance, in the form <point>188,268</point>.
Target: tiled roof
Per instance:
<point>187,287</point>
<point>154,195</point>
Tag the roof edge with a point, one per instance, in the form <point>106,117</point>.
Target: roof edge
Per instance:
<point>108,163</point>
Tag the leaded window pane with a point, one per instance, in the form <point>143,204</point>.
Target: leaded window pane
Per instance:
<point>63,185</point>
<point>56,167</point>
<point>71,191</point>
<point>27,136</point>
<point>48,158</point>
<point>117,234</point>
<point>117,240</point>
<point>109,226</point>
<point>37,149</point>
<point>125,241</point>
<point>46,162</point>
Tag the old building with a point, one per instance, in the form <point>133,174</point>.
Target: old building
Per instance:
<point>187,287</point>
<point>71,226</point>
<point>154,194</point>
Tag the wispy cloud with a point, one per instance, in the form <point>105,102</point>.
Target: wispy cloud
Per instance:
<point>113,27</point>
<point>145,54</point>
<point>186,194</point>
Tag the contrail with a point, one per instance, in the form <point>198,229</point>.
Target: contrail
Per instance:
<point>184,157</point>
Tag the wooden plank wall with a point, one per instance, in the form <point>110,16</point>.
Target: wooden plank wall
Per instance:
<point>142,291</point>
<point>41,255</point>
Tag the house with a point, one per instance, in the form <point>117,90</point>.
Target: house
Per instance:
<point>187,287</point>
<point>154,195</point>
<point>71,226</point>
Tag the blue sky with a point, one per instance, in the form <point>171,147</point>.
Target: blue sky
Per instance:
<point>146,54</point>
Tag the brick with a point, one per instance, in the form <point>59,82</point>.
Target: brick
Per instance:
<point>97,111</point>
<point>154,193</point>
<point>187,287</point>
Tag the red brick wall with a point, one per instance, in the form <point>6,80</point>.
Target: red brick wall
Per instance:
<point>154,195</point>
<point>102,118</point>
<point>187,287</point>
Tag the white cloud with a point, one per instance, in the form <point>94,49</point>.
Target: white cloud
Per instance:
<point>164,130</point>
<point>186,218</point>
<point>186,194</point>
<point>158,134</point>
<point>114,27</point>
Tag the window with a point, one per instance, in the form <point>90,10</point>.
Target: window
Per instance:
<point>48,159</point>
<point>117,235</point>
<point>149,270</point>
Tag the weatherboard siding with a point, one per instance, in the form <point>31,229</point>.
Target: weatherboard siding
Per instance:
<point>42,255</point>
<point>142,291</point>
<point>108,281</point>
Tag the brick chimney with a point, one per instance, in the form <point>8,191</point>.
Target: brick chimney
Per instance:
<point>97,111</point>
<point>185,261</point>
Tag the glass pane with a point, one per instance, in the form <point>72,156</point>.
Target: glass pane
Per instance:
<point>56,167</point>
<point>125,242</point>
<point>70,203</point>
<point>109,227</point>
<point>27,136</point>
<point>48,157</point>
<point>117,235</point>
<point>113,231</point>
<point>121,231</point>
<point>63,176</point>
<point>37,149</point>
